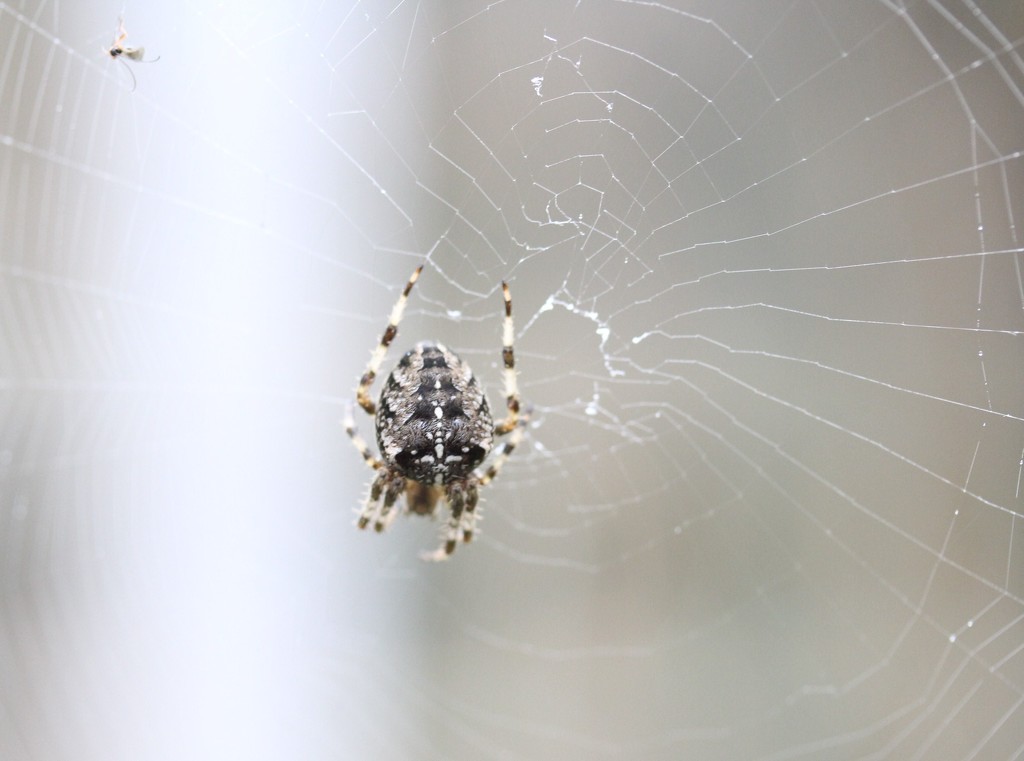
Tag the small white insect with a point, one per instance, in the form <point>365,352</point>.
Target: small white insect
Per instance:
<point>119,50</point>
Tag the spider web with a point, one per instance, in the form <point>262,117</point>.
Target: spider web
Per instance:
<point>765,261</point>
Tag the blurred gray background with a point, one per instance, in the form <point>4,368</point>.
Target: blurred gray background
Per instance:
<point>766,266</point>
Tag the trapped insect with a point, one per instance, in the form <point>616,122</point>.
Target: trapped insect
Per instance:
<point>434,430</point>
<point>119,50</point>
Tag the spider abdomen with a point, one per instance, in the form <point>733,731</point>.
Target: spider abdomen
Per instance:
<point>433,423</point>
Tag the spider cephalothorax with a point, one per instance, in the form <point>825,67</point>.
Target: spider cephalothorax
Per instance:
<point>434,428</point>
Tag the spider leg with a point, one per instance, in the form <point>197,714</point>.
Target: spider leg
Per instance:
<point>391,485</point>
<point>457,503</point>
<point>357,440</point>
<point>507,447</point>
<point>469,516</point>
<point>459,494</point>
<point>370,507</point>
<point>395,488</point>
<point>509,359</point>
<point>363,392</point>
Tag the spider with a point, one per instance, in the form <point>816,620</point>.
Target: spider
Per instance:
<point>119,50</point>
<point>434,429</point>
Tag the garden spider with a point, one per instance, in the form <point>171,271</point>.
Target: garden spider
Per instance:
<point>433,429</point>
